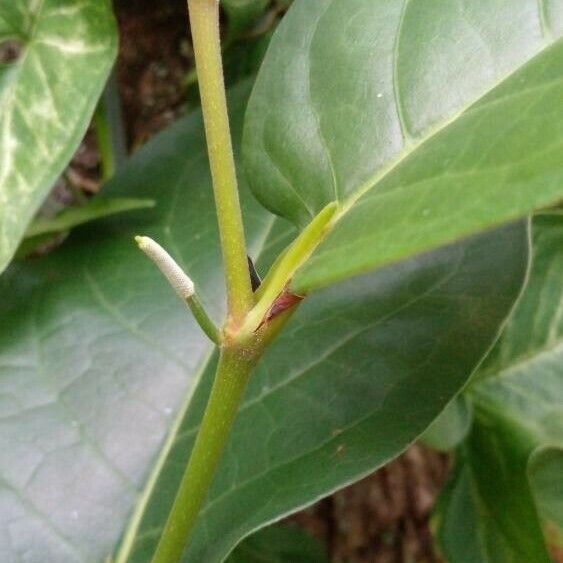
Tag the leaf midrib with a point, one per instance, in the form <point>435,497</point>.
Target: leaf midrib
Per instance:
<point>411,147</point>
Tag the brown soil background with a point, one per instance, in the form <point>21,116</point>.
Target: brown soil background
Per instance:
<point>383,518</point>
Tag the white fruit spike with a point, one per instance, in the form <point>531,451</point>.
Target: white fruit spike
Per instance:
<point>177,278</point>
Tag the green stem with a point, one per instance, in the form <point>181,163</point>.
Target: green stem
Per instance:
<point>108,126</point>
<point>239,354</point>
<point>233,371</point>
<point>204,20</point>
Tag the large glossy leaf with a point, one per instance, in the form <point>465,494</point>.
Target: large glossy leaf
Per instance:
<point>47,97</point>
<point>99,364</point>
<point>518,398</point>
<point>427,121</point>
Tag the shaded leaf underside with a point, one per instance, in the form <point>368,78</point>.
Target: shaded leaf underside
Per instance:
<point>99,362</point>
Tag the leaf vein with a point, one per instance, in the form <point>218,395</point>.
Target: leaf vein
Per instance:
<point>396,85</point>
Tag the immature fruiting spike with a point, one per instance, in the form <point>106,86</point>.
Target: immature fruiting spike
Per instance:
<point>181,284</point>
<point>177,278</point>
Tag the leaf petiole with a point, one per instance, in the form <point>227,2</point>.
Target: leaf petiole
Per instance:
<point>203,319</point>
<point>284,267</point>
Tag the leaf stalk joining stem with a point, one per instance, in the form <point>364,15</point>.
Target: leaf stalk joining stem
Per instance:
<point>236,364</point>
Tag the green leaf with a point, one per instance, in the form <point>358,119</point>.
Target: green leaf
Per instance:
<point>427,122</point>
<point>466,531</point>
<point>518,399</point>
<point>279,544</point>
<point>336,397</point>
<point>522,379</point>
<point>451,427</point>
<point>47,97</point>
<point>93,210</point>
<point>104,375</point>
<point>499,453</point>
<point>545,471</point>
<point>494,505</point>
